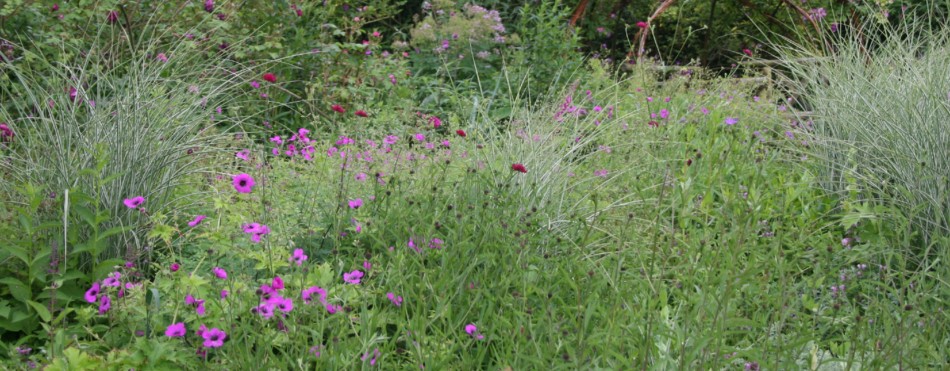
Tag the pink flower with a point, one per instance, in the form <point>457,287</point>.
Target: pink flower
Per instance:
<point>214,337</point>
<point>460,133</point>
<point>519,168</point>
<point>419,137</point>
<point>338,108</point>
<point>176,330</point>
<point>224,294</point>
<point>133,202</point>
<point>355,204</point>
<point>747,52</point>
<point>220,273</point>
<point>243,183</point>
<point>353,277</point>
<point>92,295</point>
<point>396,300</point>
<point>255,84</point>
<point>269,77</point>
<point>104,304</point>
<point>161,57</point>
<point>307,294</point>
<point>277,283</point>
<point>265,310</point>
<point>242,154</point>
<point>298,257</point>
<point>112,280</point>
<point>361,113</point>
<point>472,330</point>
<point>285,305</point>
<point>367,265</point>
<point>436,121</point>
<point>333,308</point>
<point>731,121</point>
<point>642,24</point>
<point>197,220</point>
<point>174,267</point>
<point>113,17</point>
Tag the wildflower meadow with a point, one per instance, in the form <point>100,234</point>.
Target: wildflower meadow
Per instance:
<point>466,185</point>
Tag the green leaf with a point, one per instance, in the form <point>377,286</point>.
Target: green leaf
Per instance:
<point>113,231</point>
<point>40,310</point>
<point>18,289</point>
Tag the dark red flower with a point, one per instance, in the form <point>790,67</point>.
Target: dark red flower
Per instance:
<point>460,132</point>
<point>642,24</point>
<point>338,108</point>
<point>361,113</point>
<point>653,124</point>
<point>113,16</point>
<point>55,7</point>
<point>747,52</point>
<point>689,162</point>
<point>269,77</point>
<point>519,168</point>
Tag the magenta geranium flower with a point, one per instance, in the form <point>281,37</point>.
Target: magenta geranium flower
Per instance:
<point>355,204</point>
<point>243,183</point>
<point>176,330</point>
<point>220,273</point>
<point>224,294</point>
<point>92,295</point>
<point>472,330</point>
<point>214,338</point>
<point>112,280</point>
<point>277,283</point>
<point>298,257</point>
<point>197,220</point>
<point>104,304</point>
<point>133,202</point>
<point>353,277</point>
<point>307,294</point>
<point>285,305</point>
<point>396,300</point>
<point>242,154</point>
<point>265,310</point>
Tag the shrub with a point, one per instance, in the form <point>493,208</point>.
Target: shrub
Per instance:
<point>882,105</point>
<point>142,124</point>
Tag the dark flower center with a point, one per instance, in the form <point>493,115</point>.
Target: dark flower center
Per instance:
<point>242,183</point>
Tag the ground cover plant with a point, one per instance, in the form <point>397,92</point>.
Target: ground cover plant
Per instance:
<point>328,210</point>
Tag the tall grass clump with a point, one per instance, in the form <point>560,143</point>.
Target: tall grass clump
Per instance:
<point>118,120</point>
<point>881,99</point>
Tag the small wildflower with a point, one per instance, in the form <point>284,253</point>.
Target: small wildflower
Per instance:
<point>269,77</point>
<point>338,108</point>
<point>133,202</point>
<point>220,273</point>
<point>243,183</point>
<point>176,330</point>
<point>298,257</point>
<point>353,277</point>
<point>197,220</point>
<point>519,168</point>
<point>396,300</point>
<point>174,267</point>
<point>214,338</point>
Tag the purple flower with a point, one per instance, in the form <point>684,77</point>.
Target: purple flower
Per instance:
<point>104,304</point>
<point>209,6</point>
<point>214,337</point>
<point>220,273</point>
<point>307,294</point>
<point>396,300</point>
<point>197,220</point>
<point>265,310</point>
<point>93,293</point>
<point>242,154</point>
<point>133,202</point>
<point>731,121</point>
<point>298,257</point>
<point>353,277</point>
<point>243,183</point>
<point>285,304</point>
<point>174,267</point>
<point>355,204</point>
<point>472,331</point>
<point>176,330</point>
<point>112,280</point>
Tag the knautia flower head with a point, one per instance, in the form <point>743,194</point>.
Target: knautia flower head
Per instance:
<point>209,6</point>
<point>174,267</point>
<point>243,183</point>
<point>519,168</point>
<point>220,273</point>
<point>269,77</point>
<point>356,203</point>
